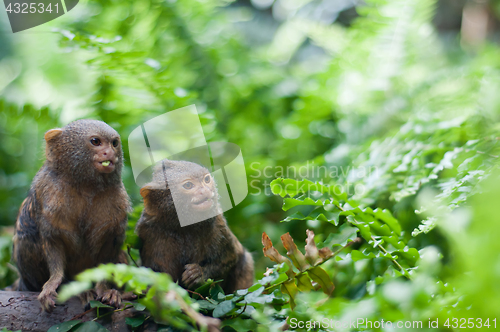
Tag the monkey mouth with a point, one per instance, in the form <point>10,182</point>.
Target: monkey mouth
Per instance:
<point>203,204</point>
<point>105,166</point>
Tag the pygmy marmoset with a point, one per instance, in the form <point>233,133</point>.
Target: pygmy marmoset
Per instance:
<point>75,215</point>
<point>193,253</point>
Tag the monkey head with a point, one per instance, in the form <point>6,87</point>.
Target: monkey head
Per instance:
<point>187,186</point>
<point>87,151</point>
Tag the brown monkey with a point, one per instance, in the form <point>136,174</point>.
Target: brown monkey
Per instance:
<point>75,215</point>
<point>193,253</point>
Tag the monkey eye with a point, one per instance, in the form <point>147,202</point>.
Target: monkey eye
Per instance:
<point>207,179</point>
<point>95,141</point>
<point>188,185</point>
<point>115,143</point>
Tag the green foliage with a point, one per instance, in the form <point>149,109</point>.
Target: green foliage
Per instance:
<point>378,227</point>
<point>65,326</point>
<point>7,273</point>
<point>139,280</point>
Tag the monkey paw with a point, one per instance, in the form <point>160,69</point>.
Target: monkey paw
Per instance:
<point>192,276</point>
<point>86,297</point>
<point>47,299</point>
<point>111,297</point>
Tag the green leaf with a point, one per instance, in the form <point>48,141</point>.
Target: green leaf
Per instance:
<point>64,327</point>
<point>97,304</point>
<point>357,255</point>
<point>290,187</point>
<point>289,203</point>
<point>206,305</point>
<point>346,213</point>
<point>364,229</point>
<point>90,327</point>
<point>426,226</point>
<point>292,291</point>
<point>135,321</point>
<point>223,308</point>
<point>241,292</point>
<point>315,215</point>
<point>304,283</point>
<point>204,289</point>
<point>246,311</point>
<point>386,216</point>
<point>318,275</point>
<point>346,234</point>
<point>251,297</point>
<point>73,289</point>
<point>240,325</point>
<point>411,255</point>
<point>216,292</point>
<point>100,273</point>
<point>138,306</point>
<point>394,241</point>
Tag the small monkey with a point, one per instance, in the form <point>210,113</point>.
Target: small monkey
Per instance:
<point>75,215</point>
<point>194,253</point>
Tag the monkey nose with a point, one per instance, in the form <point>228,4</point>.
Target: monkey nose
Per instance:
<point>107,153</point>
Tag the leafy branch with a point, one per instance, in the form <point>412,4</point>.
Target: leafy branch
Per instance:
<point>375,226</point>
<point>313,256</point>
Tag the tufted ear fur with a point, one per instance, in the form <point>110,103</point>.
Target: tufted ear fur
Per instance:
<point>148,194</point>
<point>50,137</point>
<point>52,134</point>
<point>146,190</point>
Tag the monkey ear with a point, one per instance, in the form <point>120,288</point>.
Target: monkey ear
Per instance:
<point>149,206</point>
<point>52,134</point>
<point>49,137</point>
<point>145,191</point>
<point>148,188</point>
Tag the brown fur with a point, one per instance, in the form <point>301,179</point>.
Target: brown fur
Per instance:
<point>75,215</point>
<point>193,253</point>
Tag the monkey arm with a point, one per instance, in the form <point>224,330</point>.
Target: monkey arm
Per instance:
<point>219,261</point>
<point>55,257</point>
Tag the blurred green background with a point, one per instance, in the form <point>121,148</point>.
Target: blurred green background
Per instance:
<point>407,89</point>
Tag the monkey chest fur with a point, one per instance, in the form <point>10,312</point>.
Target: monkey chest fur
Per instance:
<point>171,250</point>
<point>89,229</point>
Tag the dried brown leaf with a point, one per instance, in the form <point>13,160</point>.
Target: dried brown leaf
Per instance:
<point>270,251</point>
<point>297,257</point>
<point>325,253</point>
<point>312,254</point>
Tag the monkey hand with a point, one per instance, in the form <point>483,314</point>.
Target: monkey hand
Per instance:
<point>86,297</point>
<point>47,298</point>
<point>108,296</point>
<point>192,276</point>
<point>111,297</point>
